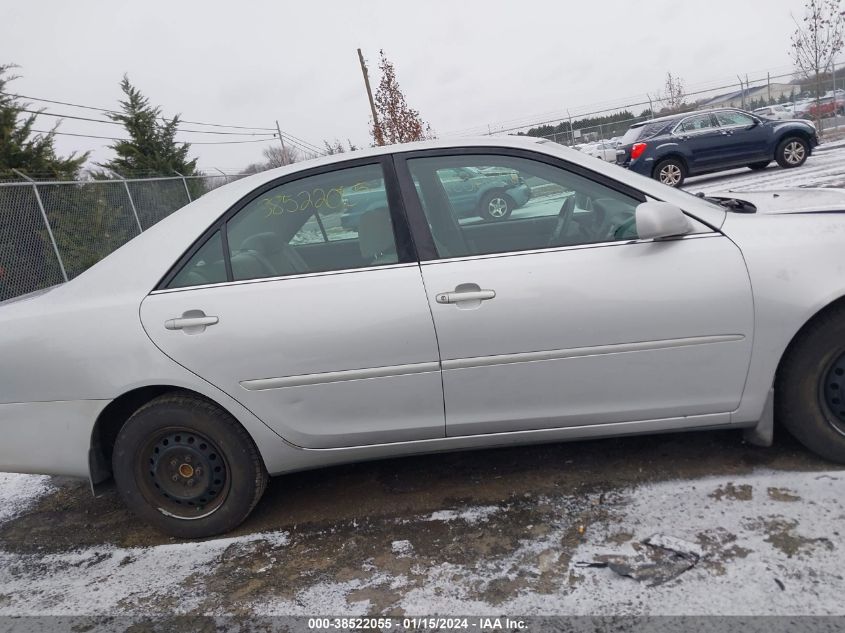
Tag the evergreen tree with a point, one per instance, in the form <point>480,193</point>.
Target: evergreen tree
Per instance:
<point>21,148</point>
<point>151,147</point>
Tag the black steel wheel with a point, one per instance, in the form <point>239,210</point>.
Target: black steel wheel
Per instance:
<point>187,475</point>
<point>187,467</point>
<point>810,385</point>
<point>832,394</point>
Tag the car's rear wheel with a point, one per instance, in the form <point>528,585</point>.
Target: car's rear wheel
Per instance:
<point>187,467</point>
<point>758,166</point>
<point>810,386</point>
<point>671,172</point>
<point>496,206</point>
<point>792,152</point>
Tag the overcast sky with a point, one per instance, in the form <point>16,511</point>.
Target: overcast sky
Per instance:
<point>463,64</point>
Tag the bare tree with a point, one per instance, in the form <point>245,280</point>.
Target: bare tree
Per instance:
<point>397,121</point>
<point>274,156</point>
<point>674,94</point>
<point>816,41</point>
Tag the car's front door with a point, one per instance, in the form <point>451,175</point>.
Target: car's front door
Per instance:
<point>745,139</point>
<point>562,317</point>
<point>323,331</point>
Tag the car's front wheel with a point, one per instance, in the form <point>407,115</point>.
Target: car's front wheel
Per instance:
<point>187,467</point>
<point>496,206</point>
<point>792,152</point>
<point>810,386</point>
<point>671,172</point>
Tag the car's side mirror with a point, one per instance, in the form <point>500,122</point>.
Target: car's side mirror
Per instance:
<point>658,220</point>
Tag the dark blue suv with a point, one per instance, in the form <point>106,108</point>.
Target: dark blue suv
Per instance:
<point>673,147</point>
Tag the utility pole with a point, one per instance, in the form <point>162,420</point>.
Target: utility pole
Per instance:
<point>769,87</point>
<point>376,125</point>
<point>282,140</point>
<point>571,131</point>
<point>741,91</point>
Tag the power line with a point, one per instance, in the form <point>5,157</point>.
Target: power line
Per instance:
<point>114,138</point>
<point>630,105</point>
<point>82,118</point>
<point>298,142</point>
<point>107,111</point>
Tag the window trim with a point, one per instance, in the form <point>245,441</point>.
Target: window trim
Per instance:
<point>405,249</point>
<point>423,238</point>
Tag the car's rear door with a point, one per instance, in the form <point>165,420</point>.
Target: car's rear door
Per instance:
<point>562,317</point>
<point>701,142</point>
<point>323,331</point>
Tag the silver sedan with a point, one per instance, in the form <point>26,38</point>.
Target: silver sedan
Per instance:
<point>341,310</point>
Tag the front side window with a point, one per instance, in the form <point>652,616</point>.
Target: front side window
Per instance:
<point>512,204</point>
<point>733,119</point>
<point>334,221</point>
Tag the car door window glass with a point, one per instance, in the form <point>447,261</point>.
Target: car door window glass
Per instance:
<point>702,122</point>
<point>733,119</point>
<point>511,204</point>
<point>207,266</point>
<point>334,221</point>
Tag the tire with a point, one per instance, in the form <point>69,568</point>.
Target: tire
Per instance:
<point>759,166</point>
<point>792,152</point>
<point>187,467</point>
<point>670,171</point>
<point>810,386</point>
<point>496,206</point>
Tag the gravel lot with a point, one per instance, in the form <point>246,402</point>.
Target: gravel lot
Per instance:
<point>695,523</point>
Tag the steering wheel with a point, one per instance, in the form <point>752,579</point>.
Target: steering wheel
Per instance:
<point>564,218</point>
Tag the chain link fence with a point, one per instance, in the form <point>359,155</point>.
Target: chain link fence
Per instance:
<point>52,231</point>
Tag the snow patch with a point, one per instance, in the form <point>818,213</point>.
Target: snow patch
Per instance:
<point>470,515</point>
<point>18,493</point>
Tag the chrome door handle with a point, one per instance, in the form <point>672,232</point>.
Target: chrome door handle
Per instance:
<point>467,295</point>
<point>191,322</point>
<point>181,324</point>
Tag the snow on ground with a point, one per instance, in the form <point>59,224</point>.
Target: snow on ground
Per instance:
<point>112,580</point>
<point>825,168</point>
<point>19,492</point>
<point>769,543</point>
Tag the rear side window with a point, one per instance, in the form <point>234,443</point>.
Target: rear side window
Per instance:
<point>698,123</point>
<point>733,119</point>
<point>207,266</point>
<point>339,220</point>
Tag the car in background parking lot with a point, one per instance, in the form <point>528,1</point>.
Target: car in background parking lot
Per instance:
<point>673,147</point>
<point>778,112</point>
<point>604,150</point>
<point>491,194</point>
